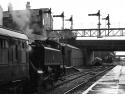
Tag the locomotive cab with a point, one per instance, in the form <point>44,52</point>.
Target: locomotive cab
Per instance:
<point>46,59</point>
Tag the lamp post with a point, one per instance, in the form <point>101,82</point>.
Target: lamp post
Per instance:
<point>99,24</point>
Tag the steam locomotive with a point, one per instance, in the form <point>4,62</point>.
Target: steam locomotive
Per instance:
<point>24,66</point>
<point>46,61</point>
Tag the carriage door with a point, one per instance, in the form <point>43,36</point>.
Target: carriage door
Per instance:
<point>11,57</point>
<point>4,63</point>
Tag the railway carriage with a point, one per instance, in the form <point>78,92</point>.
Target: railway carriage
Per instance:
<point>13,56</point>
<point>72,55</point>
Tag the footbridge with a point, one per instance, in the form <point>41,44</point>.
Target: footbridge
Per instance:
<point>92,40</point>
<point>98,39</point>
<point>112,39</point>
<point>103,44</point>
<point>94,32</point>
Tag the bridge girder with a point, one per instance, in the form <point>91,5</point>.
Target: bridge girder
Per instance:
<point>93,32</point>
<point>102,45</point>
<point>106,45</point>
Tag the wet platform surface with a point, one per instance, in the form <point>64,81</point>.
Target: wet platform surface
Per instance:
<point>111,83</point>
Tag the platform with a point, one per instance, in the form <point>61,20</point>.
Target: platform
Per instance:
<point>111,83</point>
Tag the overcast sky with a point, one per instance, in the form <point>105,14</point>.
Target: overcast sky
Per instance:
<point>79,9</point>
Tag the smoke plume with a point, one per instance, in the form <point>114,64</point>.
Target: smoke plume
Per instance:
<point>23,19</point>
<point>20,17</point>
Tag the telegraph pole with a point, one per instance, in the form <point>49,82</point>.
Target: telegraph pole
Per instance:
<point>71,20</point>
<point>108,19</point>
<point>62,15</point>
<point>99,24</point>
<point>108,23</point>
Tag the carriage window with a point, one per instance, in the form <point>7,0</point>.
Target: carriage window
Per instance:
<point>16,52</point>
<point>24,44</point>
<point>21,46</point>
<point>4,44</point>
<point>3,51</point>
<point>0,43</point>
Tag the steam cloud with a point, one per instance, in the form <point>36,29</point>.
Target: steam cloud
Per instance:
<point>20,17</point>
<point>23,19</point>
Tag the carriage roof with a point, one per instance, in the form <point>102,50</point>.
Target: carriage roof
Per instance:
<point>52,49</point>
<point>10,33</point>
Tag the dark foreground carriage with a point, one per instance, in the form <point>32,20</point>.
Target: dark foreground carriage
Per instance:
<point>14,66</point>
<point>13,56</point>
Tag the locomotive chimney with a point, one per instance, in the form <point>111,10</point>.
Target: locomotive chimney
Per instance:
<point>28,5</point>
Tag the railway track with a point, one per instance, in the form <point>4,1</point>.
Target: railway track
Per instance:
<point>85,70</point>
<point>93,78</point>
<point>76,80</point>
<point>71,77</point>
